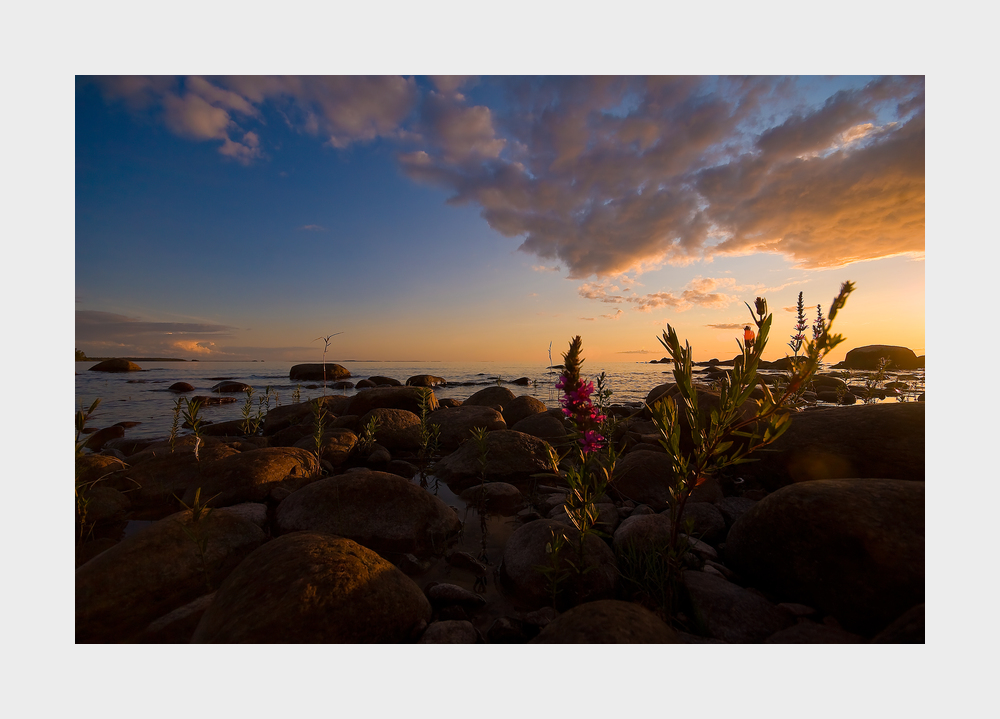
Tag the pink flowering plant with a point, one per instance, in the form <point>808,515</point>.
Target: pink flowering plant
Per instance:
<point>588,466</point>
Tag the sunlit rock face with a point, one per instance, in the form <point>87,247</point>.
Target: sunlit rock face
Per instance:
<point>853,548</point>
<point>309,587</point>
<point>607,621</point>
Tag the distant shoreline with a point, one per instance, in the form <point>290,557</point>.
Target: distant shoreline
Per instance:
<point>137,359</point>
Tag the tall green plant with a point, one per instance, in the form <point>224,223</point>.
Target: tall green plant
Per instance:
<point>700,444</point>
<point>326,347</point>
<point>192,419</point>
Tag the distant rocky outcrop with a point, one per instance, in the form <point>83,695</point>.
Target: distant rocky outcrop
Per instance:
<point>307,372</point>
<point>867,357</point>
<point>116,365</point>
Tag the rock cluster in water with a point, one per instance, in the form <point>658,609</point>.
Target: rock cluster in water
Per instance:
<point>281,540</point>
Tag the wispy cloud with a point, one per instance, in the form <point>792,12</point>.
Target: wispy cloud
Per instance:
<point>313,228</point>
<point>615,316</point>
<point>727,326</point>
<point>700,292</point>
<point>643,351</point>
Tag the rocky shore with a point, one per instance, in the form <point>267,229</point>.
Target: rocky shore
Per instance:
<point>368,540</point>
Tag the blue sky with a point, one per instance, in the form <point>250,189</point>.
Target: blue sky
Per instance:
<point>479,218</point>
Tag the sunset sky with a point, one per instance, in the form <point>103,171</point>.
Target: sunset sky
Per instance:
<point>479,218</point>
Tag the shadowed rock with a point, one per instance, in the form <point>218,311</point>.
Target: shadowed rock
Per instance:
<point>408,398</point>
<point>511,457</point>
<point>867,357</point>
<point>115,365</point>
<point>314,372</point>
<point>250,476</point>
<point>457,423</point>
<point>491,397</point>
<point>607,621</point>
<point>726,611</point>
<point>425,380</point>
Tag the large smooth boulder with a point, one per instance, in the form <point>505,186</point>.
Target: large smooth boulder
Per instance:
<point>309,587</point>
<point>379,510</point>
<point>528,556</point>
<point>382,381</point>
<point>336,445</point>
<point>607,621</point>
<point>163,567</point>
<point>644,477</point>
<point>511,457</point>
<point>457,423</point>
<point>231,387</point>
<point>115,365</point>
<point>643,533</point>
<point>543,425</point>
<point>522,407</point>
<point>314,372</point>
<point>425,380</point>
<point>408,398</point>
<point>288,415</point>
<point>250,476</point>
<point>491,397</point>
<point>867,357</point>
<point>853,548</point>
<point>397,428</point>
<point>880,440</point>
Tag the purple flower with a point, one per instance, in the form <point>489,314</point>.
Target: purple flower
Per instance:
<point>591,441</point>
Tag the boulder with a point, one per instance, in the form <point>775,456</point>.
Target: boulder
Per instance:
<point>181,387</point>
<point>379,510</point>
<point>250,476</point>
<point>529,566</point>
<point>452,631</point>
<point>408,398</point>
<point>867,357</point>
<point>813,633</point>
<point>522,407</point>
<point>642,533</point>
<point>177,626</point>
<point>343,384</point>
<point>103,504</point>
<point>314,372</point>
<point>607,621</point>
<point>494,498</point>
<point>644,477</point>
<point>707,522</point>
<point>457,423</point>
<point>397,428</point>
<point>115,365</point>
<point>335,448</point>
<point>381,381</point>
<point>309,587</point>
<point>727,611</point>
<point>511,457</point>
<point>279,418</point>
<point>853,548</point>
<point>490,397</point>
<point>101,437</point>
<point>425,380</point>
<point>229,387</point>
<point>163,567</point>
<point>883,440</point>
<point>544,426</point>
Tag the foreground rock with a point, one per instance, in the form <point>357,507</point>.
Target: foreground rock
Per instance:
<point>145,576</point>
<point>309,587</point>
<point>315,372</point>
<point>250,476</point>
<point>726,611</point>
<point>879,440</point>
<point>522,407</point>
<point>511,457</point>
<point>529,552</point>
<point>496,397</point>
<point>853,548</point>
<point>457,423</point>
<point>408,398</point>
<point>381,511</point>
<point>115,365</point>
<point>607,621</point>
<point>425,380</point>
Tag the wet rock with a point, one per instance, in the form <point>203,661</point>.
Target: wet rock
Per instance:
<point>643,533</point>
<point>104,504</point>
<point>343,384</point>
<point>607,621</point>
<point>852,548</point>
<point>403,468</point>
<point>457,423</point>
<point>101,437</point>
<point>308,587</point>
<point>511,457</point>
<point>449,402</point>
<point>249,476</point>
<point>529,551</point>
<point>521,407</point>
<point>408,398</point>
<point>365,384</point>
<point>231,387</point>
<point>307,372</point>
<point>450,632</point>
<point>146,575</point>
<point>521,381</point>
<point>442,595</point>
<point>425,380</point>
<point>378,458</point>
<point>381,511</point>
<point>490,397</point>
<point>726,611</point>
<point>181,387</point>
<point>115,365</point>
<point>381,381</point>
<point>882,440</point>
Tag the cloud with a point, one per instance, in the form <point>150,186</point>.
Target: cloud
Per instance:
<point>700,291</point>
<point>102,326</point>
<point>615,316</point>
<point>588,319</point>
<point>197,347</point>
<point>727,326</point>
<point>543,268</point>
<point>643,351</point>
<point>313,228</point>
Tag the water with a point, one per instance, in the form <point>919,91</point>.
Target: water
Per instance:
<point>144,396</point>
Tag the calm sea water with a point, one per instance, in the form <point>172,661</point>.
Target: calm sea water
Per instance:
<point>143,396</point>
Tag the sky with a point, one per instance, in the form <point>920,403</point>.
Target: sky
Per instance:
<point>465,218</point>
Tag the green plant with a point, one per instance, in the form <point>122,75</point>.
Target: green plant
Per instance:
<point>196,533</point>
<point>175,423</point>
<point>247,423</point>
<point>192,420</point>
<point>800,327</point>
<point>81,423</point>
<point>297,394</point>
<point>482,449</point>
<point>700,444</point>
<point>366,442</point>
<point>430,434</point>
<point>557,570</point>
<point>875,382</point>
<point>325,348</point>
<point>319,419</point>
